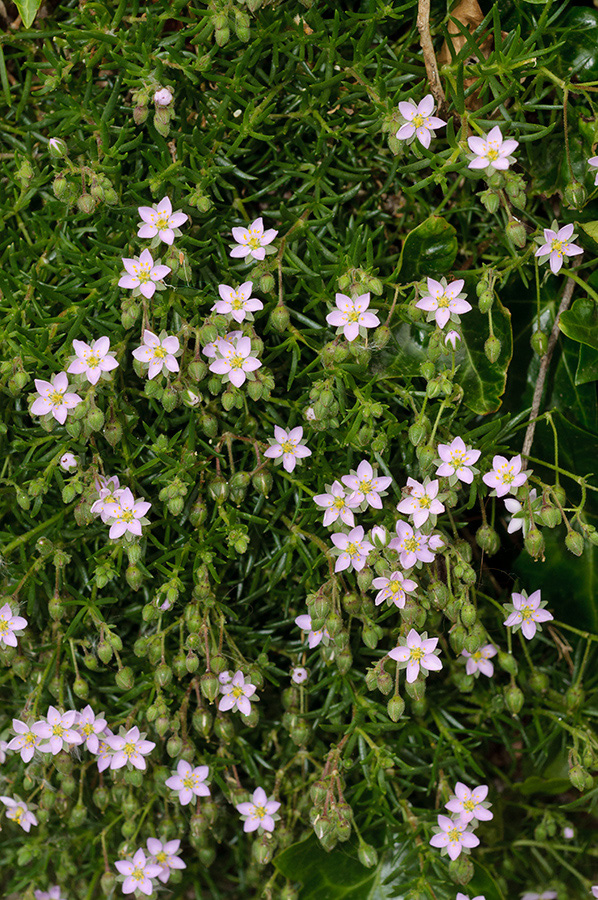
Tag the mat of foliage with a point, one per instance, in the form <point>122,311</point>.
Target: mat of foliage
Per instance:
<point>288,112</point>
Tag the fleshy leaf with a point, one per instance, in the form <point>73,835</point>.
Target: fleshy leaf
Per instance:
<point>430,249</point>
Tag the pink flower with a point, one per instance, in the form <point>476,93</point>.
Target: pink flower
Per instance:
<point>421,503</point>
<point>354,550</point>
<point>160,220</point>
<point>52,894</point>
<point>520,518</point>
<point>68,462</point>
<point>545,895</point>
<point>236,694</point>
<point>505,476</point>
<point>492,151</point>
<point>139,871</point>
<point>109,492</point>
<point>129,748</point>
<point>451,337</point>
<point>26,740</point>
<point>9,623</point>
<point>557,245</point>
<point>259,812</point>
<point>128,515</point>
<point>417,651</point>
<point>419,121</point>
<point>527,613</point>
<point>480,661</point>
<point>595,887</point>
<point>163,97</point>
<point>92,360</point>
<point>59,731</point>
<point>3,749</point>
<point>454,836</point>
<point>237,303</point>
<point>287,446</point>
<point>461,896</point>
<point>163,854</point>
<point>252,241</point>
<point>89,727</point>
<point>189,782</point>
<point>413,546</point>
<point>235,361</point>
<point>365,486</point>
<point>379,536</point>
<point>54,398</point>
<point>104,751</point>
<point>17,811</point>
<point>469,804</point>
<point>299,675</point>
<point>394,589</point>
<point>444,301</point>
<point>457,461</point>
<point>313,637</point>
<point>350,316</point>
<point>142,274</point>
<point>593,161</point>
<point>212,349</point>
<point>158,352</point>
<point>336,504</point>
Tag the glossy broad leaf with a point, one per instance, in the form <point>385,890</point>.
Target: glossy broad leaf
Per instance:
<point>28,10</point>
<point>577,402</point>
<point>428,250</point>
<point>580,323</point>
<point>580,50</point>
<point>484,382</point>
<point>587,365</point>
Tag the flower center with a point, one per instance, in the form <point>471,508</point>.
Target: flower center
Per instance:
<point>339,502</point>
<point>457,458</point>
<point>477,656</point>
<point>416,653</point>
<point>236,361</point>
<point>30,739</point>
<point>17,814</point>
<point>526,613</point>
<point>162,221</point>
<point>138,874</point>
<point>126,515</point>
<point>3,626</point>
<point>56,398</point>
<point>354,315</point>
<point>58,730</point>
<point>507,474</point>
<point>87,728</point>
<point>189,781</point>
<point>417,121</point>
<point>455,835</point>
<point>159,352</point>
<point>143,274</point>
<point>365,487</point>
<point>130,748</point>
<point>492,155</point>
<point>354,549</point>
<point>469,805</point>
<point>161,857</point>
<point>93,361</point>
<point>259,812</point>
<point>287,446</point>
<point>237,692</point>
<point>443,301</point>
<point>254,243</point>
<point>411,544</point>
<point>424,501</point>
<point>394,586</point>
<point>236,302</point>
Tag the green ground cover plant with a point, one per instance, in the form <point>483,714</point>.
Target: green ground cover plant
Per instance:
<point>298,363</point>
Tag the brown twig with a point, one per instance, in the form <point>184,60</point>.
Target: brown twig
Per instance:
<point>565,303</point>
<point>425,39</point>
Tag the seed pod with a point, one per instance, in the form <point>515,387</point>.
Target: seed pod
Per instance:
<point>468,614</point>
<point>574,697</point>
<point>104,651</point>
<point>81,688</point>
<point>384,681</point>
<point>577,777</point>
<point>516,232</point>
<point>461,870</point>
<point>457,638</point>
<point>487,538</point>
<point>344,661</point>
<point>551,516</point>
<point>262,482</point>
<point>574,542</point>
<point>490,200</point>
<point>539,343</point>
<point>174,746</point>
<point>86,203</point>
<point>279,318</point>
<point>395,707</point>
<point>108,883</point>
<point>224,729</point>
<point>507,662</point>
<point>492,348</point>
<point>513,698</point>
<point>539,681</point>
<point>124,678</point>
<point>534,543</point>
<point>163,675</point>
<point>209,685</point>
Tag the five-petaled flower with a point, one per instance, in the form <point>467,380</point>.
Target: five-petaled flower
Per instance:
<point>419,121</point>
<point>394,589</point>
<point>128,515</point>
<point>444,301</point>
<point>492,151</point>
<point>109,492</point>
<point>336,503</point>
<point>235,360</point>
<point>467,804</point>
<point>313,637</point>
<point>354,550</point>
<point>479,661</point>
<point>26,740</point>
<point>238,302</point>
<point>58,732</point>
<point>593,161</point>
<point>158,352</point>
<point>92,359</point>
<point>421,503</point>
<point>526,613</point>
<point>351,316</point>
<point>54,397</point>
<point>505,476</point>
<point>9,623</point>
<point>160,220</point>
<point>129,748</point>
<point>415,652</point>
<point>457,461</point>
<point>236,694</point>
<point>366,486</point>
<point>163,854</point>
<point>52,894</point>
<point>557,244</point>
<point>413,546</point>
<point>189,782</point>
<point>252,241</point>
<point>18,811</point>
<point>89,727</point>
<point>259,812</point>
<point>142,275</point>
<point>287,447</point>
<point>452,836</point>
<point>461,896</point>
<point>139,871</point>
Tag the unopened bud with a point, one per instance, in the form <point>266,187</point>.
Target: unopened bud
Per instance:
<point>487,538</point>
<point>516,231</point>
<point>490,200</point>
<point>574,542</point>
<point>86,203</point>
<point>575,195</point>
<point>539,343</point>
<point>513,698</point>
<point>551,516</point>
<point>395,707</point>
<point>534,543</point>
<point>507,662</point>
<point>577,777</point>
<point>124,678</point>
<point>492,348</point>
